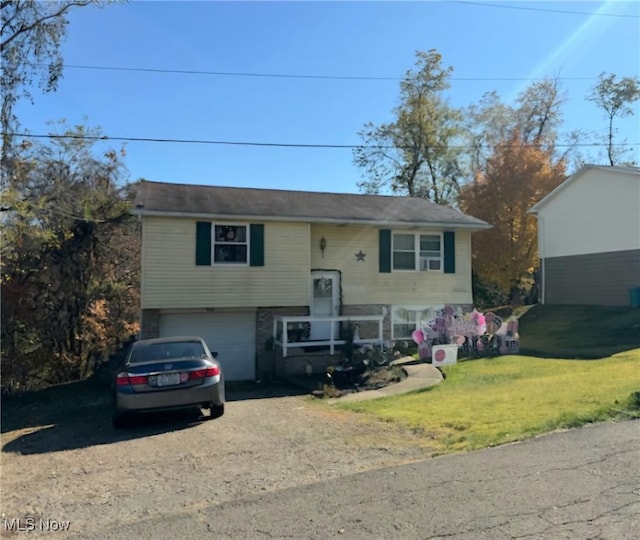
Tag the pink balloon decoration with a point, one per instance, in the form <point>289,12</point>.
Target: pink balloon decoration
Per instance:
<point>417,336</point>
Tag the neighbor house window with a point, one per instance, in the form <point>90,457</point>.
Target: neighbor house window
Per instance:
<point>417,252</point>
<point>230,244</point>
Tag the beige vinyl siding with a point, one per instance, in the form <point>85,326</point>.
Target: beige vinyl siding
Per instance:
<point>172,279</point>
<point>362,283</point>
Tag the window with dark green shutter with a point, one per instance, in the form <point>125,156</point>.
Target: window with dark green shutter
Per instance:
<point>411,252</point>
<point>449,252</point>
<point>385,250</point>
<point>256,244</point>
<point>229,244</point>
<point>203,243</point>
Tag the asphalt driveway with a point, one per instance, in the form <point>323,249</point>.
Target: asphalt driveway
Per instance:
<point>62,460</point>
<point>278,464</point>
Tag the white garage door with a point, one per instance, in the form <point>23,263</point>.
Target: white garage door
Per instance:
<point>232,335</point>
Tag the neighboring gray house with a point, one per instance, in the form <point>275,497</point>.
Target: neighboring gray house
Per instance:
<point>589,237</point>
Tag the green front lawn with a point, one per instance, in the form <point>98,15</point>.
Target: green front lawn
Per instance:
<point>579,331</point>
<point>486,402</point>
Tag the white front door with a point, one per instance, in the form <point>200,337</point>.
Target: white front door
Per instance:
<point>325,302</point>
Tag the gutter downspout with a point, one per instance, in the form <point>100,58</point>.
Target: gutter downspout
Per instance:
<point>541,252</point>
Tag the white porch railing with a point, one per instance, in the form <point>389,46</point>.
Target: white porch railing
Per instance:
<point>281,331</point>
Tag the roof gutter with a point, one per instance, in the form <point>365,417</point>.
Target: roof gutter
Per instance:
<point>157,213</point>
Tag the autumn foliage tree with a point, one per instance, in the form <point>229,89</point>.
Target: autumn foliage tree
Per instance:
<point>70,260</point>
<point>517,175</point>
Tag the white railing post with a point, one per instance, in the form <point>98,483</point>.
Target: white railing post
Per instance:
<point>331,337</point>
<point>282,323</point>
<point>275,331</point>
<point>285,336</point>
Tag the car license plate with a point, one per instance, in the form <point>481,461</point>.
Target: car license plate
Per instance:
<point>168,379</point>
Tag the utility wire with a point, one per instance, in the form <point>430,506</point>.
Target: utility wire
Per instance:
<point>264,144</point>
<point>304,76</point>
<point>546,10</point>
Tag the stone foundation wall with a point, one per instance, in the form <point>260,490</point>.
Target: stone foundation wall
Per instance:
<point>265,356</point>
<point>292,366</point>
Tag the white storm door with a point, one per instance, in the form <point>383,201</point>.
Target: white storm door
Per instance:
<point>325,302</point>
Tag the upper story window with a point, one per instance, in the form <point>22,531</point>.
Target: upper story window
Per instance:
<point>417,252</point>
<point>230,244</point>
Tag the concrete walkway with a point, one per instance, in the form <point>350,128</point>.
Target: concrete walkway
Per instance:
<point>418,376</point>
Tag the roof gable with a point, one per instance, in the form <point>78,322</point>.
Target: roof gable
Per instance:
<point>159,198</point>
<point>633,171</point>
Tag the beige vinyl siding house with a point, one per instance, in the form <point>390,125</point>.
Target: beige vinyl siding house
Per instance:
<point>589,237</point>
<point>172,279</point>
<point>222,263</point>
<point>362,282</point>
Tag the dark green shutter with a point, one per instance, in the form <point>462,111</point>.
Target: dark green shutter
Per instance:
<point>385,250</point>
<point>203,243</point>
<point>256,245</point>
<point>449,252</point>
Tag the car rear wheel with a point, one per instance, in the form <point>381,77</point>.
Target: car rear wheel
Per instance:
<point>216,410</point>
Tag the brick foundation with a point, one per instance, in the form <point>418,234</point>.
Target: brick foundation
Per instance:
<point>266,356</point>
<point>369,329</point>
<point>292,366</point>
<point>150,324</point>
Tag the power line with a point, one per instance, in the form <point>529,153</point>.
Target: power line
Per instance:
<point>303,76</point>
<point>525,8</point>
<point>263,144</point>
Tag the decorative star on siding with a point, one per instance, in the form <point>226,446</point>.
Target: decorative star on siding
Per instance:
<point>360,256</point>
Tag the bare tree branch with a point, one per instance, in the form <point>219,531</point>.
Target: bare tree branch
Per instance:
<point>38,22</point>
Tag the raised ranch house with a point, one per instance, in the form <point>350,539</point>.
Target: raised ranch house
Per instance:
<point>589,237</point>
<point>250,270</point>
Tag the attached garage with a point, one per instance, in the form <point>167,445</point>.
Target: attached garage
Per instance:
<point>231,334</point>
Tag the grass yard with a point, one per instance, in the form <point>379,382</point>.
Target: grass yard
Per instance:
<point>486,402</point>
<point>579,331</point>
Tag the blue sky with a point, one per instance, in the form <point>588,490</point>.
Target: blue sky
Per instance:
<point>484,41</point>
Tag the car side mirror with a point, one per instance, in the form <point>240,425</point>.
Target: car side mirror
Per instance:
<point>214,354</point>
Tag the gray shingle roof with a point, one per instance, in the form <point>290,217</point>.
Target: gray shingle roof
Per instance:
<point>158,198</point>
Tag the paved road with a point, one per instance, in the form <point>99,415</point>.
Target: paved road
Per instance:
<point>581,484</point>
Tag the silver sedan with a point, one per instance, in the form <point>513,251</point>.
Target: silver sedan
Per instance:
<point>166,374</point>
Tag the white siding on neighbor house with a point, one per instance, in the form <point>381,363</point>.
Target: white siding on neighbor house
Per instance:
<point>172,280</point>
<point>362,282</point>
<point>598,212</point>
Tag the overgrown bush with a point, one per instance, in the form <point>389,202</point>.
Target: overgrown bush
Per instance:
<point>70,263</point>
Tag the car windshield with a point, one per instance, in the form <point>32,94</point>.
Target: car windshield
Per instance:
<point>166,351</point>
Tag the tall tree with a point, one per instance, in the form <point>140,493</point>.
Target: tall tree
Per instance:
<point>69,261</point>
<point>418,153</point>
<point>615,96</point>
<point>535,117</point>
<point>30,39</point>
<point>511,148</point>
<point>517,175</point>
